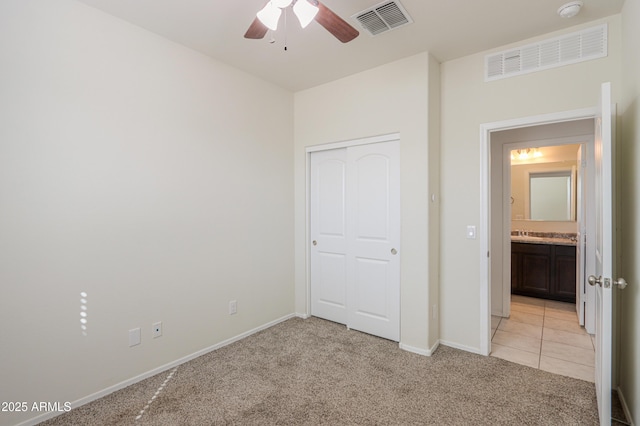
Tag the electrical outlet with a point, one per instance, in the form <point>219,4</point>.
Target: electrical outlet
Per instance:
<point>233,307</point>
<point>156,329</point>
<point>134,336</point>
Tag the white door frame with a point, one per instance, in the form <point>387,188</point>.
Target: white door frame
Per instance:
<point>485,203</point>
<point>307,238</point>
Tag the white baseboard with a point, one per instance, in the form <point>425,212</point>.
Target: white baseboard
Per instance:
<point>303,316</point>
<point>461,347</point>
<point>97,395</point>
<point>625,407</point>
<point>419,351</point>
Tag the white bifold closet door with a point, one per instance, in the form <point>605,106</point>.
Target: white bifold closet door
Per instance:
<point>355,236</point>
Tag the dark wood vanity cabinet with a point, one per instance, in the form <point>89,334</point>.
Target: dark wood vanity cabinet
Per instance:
<point>544,270</point>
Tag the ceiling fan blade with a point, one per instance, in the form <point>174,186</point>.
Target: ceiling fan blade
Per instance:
<point>257,30</point>
<point>335,24</point>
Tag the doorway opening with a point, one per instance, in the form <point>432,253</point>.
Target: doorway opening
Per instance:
<point>497,141</point>
<point>541,200</point>
<point>537,244</point>
<point>493,237</point>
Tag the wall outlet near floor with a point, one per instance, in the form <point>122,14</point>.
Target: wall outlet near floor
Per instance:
<point>233,307</point>
<point>156,329</point>
<point>134,336</point>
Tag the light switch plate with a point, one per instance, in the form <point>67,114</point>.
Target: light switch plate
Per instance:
<point>471,232</point>
<point>134,336</point>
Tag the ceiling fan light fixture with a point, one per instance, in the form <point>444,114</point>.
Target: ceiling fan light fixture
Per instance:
<point>305,12</point>
<point>281,3</point>
<point>270,15</point>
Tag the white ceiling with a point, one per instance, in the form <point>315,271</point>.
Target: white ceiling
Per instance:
<point>447,28</point>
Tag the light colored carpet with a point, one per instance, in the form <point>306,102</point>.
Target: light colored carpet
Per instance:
<point>310,372</point>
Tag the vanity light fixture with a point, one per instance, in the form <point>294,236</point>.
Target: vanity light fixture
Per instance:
<point>525,154</point>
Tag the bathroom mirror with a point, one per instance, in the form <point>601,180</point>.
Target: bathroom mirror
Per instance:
<point>550,196</point>
<point>544,191</point>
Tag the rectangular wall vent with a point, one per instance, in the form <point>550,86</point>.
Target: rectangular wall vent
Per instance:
<point>383,17</point>
<point>572,48</point>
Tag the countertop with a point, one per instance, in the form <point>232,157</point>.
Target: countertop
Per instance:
<point>559,241</point>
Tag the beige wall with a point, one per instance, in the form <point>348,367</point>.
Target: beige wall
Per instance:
<point>388,99</point>
<point>467,102</point>
<point>629,193</point>
<point>128,170</point>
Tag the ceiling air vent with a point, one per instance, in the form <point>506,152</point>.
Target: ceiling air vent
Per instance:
<point>572,48</point>
<point>383,17</point>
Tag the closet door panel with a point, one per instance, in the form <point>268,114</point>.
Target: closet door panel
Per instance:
<point>355,237</point>
<point>329,235</point>
<point>373,265</point>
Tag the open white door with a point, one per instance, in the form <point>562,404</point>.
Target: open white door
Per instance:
<point>604,272</point>
<point>604,253</point>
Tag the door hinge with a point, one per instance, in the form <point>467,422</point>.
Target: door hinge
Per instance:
<point>488,254</point>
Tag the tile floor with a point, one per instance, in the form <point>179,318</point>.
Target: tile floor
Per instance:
<point>544,334</point>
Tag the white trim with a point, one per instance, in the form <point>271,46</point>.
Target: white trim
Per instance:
<point>302,316</point>
<point>307,233</point>
<point>419,351</point>
<point>355,142</point>
<point>506,230</point>
<point>485,208</point>
<point>625,407</point>
<point>97,395</point>
<point>485,244</point>
<point>461,347</point>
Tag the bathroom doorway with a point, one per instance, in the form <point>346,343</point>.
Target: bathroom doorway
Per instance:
<point>494,232</point>
<point>563,152</point>
<point>493,237</point>
<point>520,323</point>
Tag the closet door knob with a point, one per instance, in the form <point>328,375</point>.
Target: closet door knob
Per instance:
<point>394,251</point>
<point>315,243</point>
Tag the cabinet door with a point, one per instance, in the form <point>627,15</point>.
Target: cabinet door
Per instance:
<point>531,269</point>
<point>536,269</point>
<point>515,269</point>
<point>564,278</point>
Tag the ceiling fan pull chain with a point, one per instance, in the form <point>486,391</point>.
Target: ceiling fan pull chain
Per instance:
<point>285,29</point>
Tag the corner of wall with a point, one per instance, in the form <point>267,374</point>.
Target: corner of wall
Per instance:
<point>434,199</point>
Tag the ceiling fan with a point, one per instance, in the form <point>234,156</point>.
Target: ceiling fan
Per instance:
<point>306,11</point>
